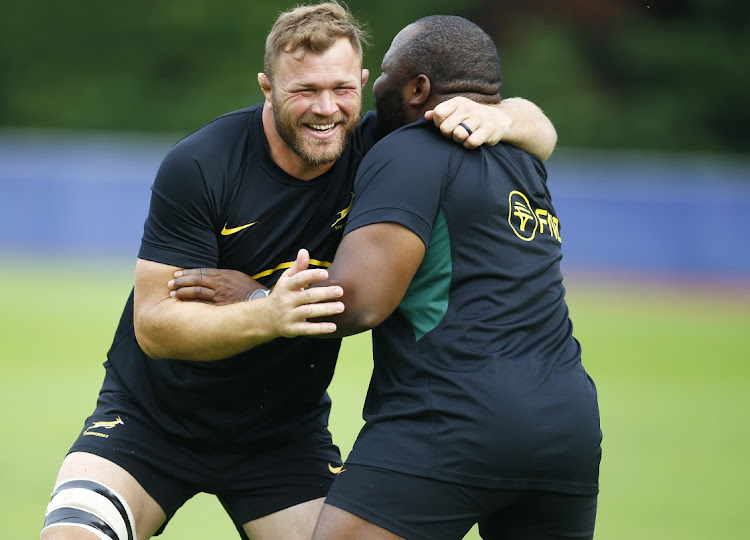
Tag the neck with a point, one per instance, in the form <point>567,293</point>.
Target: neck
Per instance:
<point>284,156</point>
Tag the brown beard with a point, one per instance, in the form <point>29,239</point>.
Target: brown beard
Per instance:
<point>314,152</point>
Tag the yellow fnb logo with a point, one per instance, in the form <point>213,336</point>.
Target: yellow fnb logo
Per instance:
<point>526,221</point>
<point>106,424</point>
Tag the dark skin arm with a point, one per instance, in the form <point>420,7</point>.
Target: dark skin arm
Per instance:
<point>373,264</point>
<point>518,121</point>
<point>212,285</point>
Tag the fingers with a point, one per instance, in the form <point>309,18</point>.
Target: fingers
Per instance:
<point>466,135</point>
<point>469,137</point>
<point>295,302</point>
<point>297,309</point>
<point>299,323</point>
<point>294,306</point>
<point>193,293</point>
<point>298,276</point>
<point>302,280</point>
<point>192,285</point>
<point>456,121</point>
<point>188,280</point>
<point>301,263</point>
<point>296,290</point>
<point>444,116</point>
<point>313,329</point>
<point>197,272</point>
<point>219,286</point>
<point>467,129</point>
<point>318,309</point>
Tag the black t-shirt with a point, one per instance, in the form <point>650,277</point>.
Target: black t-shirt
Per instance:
<point>218,180</point>
<point>478,378</point>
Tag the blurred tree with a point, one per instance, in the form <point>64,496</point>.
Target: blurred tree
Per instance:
<point>635,73</point>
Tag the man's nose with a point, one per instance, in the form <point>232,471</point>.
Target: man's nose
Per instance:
<point>325,104</point>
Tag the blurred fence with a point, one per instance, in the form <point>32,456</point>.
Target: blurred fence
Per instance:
<point>86,195</point>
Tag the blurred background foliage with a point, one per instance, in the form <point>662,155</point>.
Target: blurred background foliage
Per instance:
<point>641,74</point>
<point>665,78</point>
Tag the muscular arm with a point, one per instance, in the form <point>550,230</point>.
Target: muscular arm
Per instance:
<point>374,265</point>
<point>516,121</point>
<point>166,327</point>
<point>530,129</point>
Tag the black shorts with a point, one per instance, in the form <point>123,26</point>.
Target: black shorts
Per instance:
<point>249,482</point>
<point>426,509</point>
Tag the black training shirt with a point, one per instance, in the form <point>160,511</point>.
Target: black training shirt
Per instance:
<point>217,180</point>
<point>478,378</point>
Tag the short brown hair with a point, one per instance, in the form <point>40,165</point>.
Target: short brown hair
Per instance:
<point>314,28</point>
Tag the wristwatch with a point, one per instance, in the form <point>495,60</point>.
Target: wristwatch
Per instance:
<point>260,293</point>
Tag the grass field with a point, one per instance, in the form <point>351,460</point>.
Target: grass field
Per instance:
<point>672,365</point>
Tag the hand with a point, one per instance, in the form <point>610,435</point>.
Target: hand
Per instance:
<point>212,285</point>
<point>293,301</point>
<point>487,123</point>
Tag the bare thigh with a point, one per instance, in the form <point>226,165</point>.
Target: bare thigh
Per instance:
<point>293,523</point>
<point>147,513</point>
<point>335,523</point>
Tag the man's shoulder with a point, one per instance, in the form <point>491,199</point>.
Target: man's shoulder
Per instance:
<point>223,135</point>
<point>421,128</point>
<point>527,160</point>
<point>411,139</point>
<point>227,125</point>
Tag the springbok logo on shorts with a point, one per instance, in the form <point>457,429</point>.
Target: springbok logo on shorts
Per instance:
<point>527,221</point>
<point>105,424</point>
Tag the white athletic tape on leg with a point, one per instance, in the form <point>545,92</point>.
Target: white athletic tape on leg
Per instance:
<point>92,499</point>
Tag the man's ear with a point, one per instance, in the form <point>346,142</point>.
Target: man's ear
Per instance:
<point>417,91</point>
<point>265,85</point>
<point>365,76</point>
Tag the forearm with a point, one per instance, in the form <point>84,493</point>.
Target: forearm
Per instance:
<point>371,290</point>
<point>358,315</point>
<point>168,327</point>
<point>198,331</point>
<point>530,129</point>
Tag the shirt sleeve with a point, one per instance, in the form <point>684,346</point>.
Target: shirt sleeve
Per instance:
<point>179,228</point>
<point>401,180</point>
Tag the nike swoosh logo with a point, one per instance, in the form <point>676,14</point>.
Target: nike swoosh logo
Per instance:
<point>335,470</point>
<point>227,232</point>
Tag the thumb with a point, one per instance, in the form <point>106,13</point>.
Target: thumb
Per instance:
<point>300,264</point>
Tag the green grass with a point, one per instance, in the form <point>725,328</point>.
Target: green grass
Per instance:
<point>672,366</point>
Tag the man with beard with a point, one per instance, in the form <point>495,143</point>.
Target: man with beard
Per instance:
<point>479,409</point>
<point>231,399</point>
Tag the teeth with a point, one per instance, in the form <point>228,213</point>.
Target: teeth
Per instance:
<point>321,127</point>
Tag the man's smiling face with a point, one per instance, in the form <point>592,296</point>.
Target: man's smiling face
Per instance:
<point>317,101</point>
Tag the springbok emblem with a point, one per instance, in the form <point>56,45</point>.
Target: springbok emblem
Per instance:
<point>106,424</point>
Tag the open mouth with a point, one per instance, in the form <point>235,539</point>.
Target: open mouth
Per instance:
<point>322,128</point>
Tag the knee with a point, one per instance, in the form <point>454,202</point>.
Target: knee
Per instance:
<point>82,508</point>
